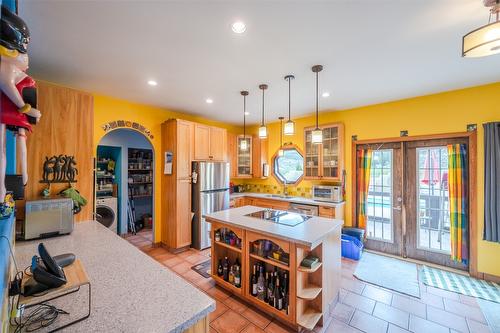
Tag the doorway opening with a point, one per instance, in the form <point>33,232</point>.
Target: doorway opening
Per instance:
<point>408,200</point>
<point>125,183</point>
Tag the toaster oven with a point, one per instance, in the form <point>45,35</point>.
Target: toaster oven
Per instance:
<point>327,193</point>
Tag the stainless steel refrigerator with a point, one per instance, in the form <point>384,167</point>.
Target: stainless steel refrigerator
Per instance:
<point>210,193</point>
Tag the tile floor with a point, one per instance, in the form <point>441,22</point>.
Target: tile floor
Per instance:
<point>362,308</point>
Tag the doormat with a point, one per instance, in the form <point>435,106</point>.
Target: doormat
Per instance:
<point>491,312</point>
<point>461,284</point>
<point>390,273</point>
<point>203,269</point>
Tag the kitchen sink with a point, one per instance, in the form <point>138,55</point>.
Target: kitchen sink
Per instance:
<point>279,196</point>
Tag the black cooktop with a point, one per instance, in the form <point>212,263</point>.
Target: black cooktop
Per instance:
<point>280,217</point>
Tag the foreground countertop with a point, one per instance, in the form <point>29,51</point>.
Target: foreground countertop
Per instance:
<point>131,292</point>
<point>299,200</point>
<point>310,233</point>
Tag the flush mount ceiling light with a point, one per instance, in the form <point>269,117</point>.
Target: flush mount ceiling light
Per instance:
<point>209,101</point>
<point>244,143</point>
<point>152,83</point>
<point>289,125</point>
<point>281,152</point>
<point>238,27</point>
<point>263,128</point>
<point>485,40</point>
<point>325,94</point>
<point>317,133</point>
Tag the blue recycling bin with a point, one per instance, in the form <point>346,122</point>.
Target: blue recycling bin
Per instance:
<point>352,247</point>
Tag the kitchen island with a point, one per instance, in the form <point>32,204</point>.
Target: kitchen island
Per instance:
<point>267,247</point>
<point>131,292</point>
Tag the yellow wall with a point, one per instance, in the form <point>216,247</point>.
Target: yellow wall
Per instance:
<point>108,109</point>
<point>439,113</point>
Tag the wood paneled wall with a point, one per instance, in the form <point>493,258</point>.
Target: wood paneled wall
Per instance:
<point>66,127</point>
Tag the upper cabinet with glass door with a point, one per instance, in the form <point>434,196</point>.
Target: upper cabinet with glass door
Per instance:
<point>244,157</point>
<point>325,161</point>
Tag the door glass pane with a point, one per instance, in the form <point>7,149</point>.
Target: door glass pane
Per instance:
<point>433,220</point>
<point>379,202</point>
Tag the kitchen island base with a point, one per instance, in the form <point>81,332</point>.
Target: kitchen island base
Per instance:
<point>308,293</point>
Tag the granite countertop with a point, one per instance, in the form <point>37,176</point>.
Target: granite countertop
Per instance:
<point>309,233</point>
<point>131,292</point>
<point>299,200</point>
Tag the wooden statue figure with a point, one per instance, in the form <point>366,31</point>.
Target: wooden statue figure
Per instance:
<point>17,104</point>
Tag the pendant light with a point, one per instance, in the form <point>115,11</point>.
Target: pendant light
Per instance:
<point>244,143</point>
<point>317,133</point>
<point>289,125</point>
<point>485,40</point>
<point>263,128</point>
<point>281,152</point>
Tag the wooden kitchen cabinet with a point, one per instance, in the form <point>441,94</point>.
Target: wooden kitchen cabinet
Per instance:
<point>177,138</point>
<point>259,157</point>
<point>231,154</point>
<point>209,143</point>
<point>325,161</point>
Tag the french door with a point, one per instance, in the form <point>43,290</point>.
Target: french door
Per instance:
<point>427,201</point>
<point>408,200</point>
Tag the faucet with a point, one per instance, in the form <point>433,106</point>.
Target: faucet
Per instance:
<point>285,189</point>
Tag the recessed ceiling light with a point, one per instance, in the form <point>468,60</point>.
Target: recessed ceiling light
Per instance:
<point>152,83</point>
<point>325,94</point>
<point>247,113</point>
<point>238,27</point>
<point>209,101</point>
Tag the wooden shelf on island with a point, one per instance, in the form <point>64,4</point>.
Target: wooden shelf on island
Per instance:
<point>309,293</point>
<point>313,269</point>
<point>226,284</point>
<point>269,308</point>
<point>233,248</point>
<point>270,262</point>
<point>309,318</point>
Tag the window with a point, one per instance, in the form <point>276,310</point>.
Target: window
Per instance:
<point>289,168</point>
<point>379,202</point>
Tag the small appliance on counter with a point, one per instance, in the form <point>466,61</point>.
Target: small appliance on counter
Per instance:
<point>327,193</point>
<point>48,217</point>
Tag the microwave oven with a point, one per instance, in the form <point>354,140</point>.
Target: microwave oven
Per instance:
<point>327,193</point>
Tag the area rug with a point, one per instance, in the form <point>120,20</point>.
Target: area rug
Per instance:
<point>491,312</point>
<point>390,273</point>
<point>460,284</point>
<point>203,269</point>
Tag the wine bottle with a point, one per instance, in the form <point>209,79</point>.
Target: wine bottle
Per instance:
<point>270,290</point>
<point>286,299</point>
<point>231,275</point>
<point>225,269</point>
<point>260,284</point>
<point>254,282</point>
<point>278,295</point>
<point>237,277</point>
<point>219,268</point>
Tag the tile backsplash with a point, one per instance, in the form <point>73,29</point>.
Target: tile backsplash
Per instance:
<point>296,191</point>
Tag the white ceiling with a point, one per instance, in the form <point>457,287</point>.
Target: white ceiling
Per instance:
<point>372,50</point>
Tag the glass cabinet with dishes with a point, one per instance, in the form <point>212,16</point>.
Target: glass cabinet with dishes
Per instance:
<point>244,157</point>
<point>324,161</point>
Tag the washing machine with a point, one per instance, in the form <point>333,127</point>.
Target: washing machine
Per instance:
<point>107,212</point>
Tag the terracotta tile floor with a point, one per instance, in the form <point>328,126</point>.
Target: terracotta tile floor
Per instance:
<point>362,308</point>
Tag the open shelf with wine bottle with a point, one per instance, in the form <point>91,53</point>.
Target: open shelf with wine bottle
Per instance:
<point>270,276</point>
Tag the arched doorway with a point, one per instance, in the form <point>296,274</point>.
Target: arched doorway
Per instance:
<point>125,183</point>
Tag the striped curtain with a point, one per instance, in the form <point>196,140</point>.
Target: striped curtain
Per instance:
<point>364,163</point>
<point>457,186</point>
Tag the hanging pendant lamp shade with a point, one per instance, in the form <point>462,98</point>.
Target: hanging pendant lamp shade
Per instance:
<point>289,125</point>
<point>244,143</point>
<point>485,40</point>
<point>317,133</point>
<point>263,128</point>
<point>281,152</point>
